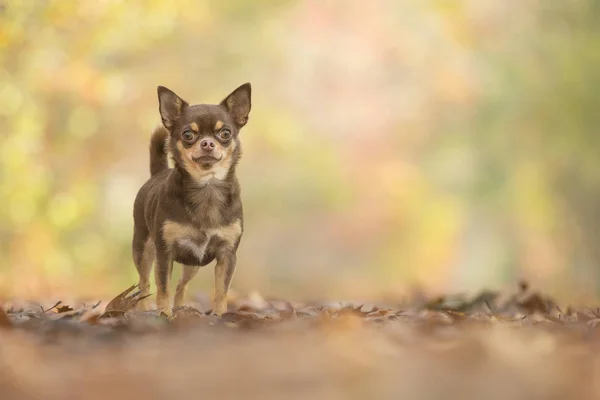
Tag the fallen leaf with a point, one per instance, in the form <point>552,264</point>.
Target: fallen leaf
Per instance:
<point>288,312</point>
<point>63,309</point>
<point>533,303</point>
<point>5,322</point>
<point>51,308</point>
<point>123,302</point>
<point>355,311</point>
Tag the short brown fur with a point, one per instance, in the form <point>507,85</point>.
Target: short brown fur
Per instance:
<point>191,213</point>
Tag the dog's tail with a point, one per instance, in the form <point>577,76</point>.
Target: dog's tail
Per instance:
<point>158,150</point>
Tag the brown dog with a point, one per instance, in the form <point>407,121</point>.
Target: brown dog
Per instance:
<point>191,213</point>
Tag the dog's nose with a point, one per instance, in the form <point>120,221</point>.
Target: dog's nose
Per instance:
<point>207,144</point>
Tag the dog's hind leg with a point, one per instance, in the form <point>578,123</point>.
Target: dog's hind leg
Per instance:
<point>143,257</point>
<point>162,277</point>
<point>189,272</point>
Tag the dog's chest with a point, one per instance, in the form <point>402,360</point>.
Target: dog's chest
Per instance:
<point>190,251</point>
<point>192,246</point>
<point>207,206</point>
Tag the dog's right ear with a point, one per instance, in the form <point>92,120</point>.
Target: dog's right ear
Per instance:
<point>170,106</point>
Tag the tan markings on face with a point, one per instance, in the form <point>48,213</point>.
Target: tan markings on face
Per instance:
<point>199,174</point>
<point>194,127</point>
<point>217,171</point>
<point>222,168</point>
<point>218,125</point>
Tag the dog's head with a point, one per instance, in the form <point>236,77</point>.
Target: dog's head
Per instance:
<point>204,138</point>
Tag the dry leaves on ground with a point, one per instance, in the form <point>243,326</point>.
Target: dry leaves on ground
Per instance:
<point>523,346</point>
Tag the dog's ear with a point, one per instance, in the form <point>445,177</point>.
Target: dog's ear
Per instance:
<point>170,106</point>
<point>238,104</point>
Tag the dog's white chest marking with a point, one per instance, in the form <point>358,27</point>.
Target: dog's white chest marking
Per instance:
<point>198,248</point>
<point>197,240</point>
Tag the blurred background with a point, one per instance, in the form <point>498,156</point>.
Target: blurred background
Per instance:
<point>447,145</point>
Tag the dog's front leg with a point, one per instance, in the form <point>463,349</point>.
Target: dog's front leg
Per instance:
<point>223,274</point>
<point>162,277</point>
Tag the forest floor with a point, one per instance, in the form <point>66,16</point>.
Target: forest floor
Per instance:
<point>490,346</point>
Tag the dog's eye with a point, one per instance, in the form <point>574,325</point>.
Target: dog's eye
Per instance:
<point>187,136</point>
<point>225,134</point>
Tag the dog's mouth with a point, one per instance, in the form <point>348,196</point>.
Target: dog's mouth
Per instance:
<point>207,160</point>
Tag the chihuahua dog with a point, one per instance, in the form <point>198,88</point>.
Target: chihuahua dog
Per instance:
<point>191,213</point>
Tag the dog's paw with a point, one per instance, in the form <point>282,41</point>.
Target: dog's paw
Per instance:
<point>167,313</point>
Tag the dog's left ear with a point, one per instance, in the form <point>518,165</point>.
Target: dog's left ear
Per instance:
<point>238,104</point>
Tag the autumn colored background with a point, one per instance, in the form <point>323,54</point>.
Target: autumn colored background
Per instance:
<point>451,145</point>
